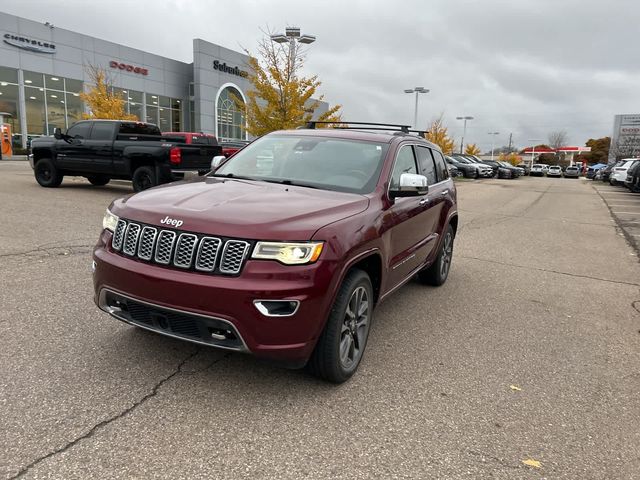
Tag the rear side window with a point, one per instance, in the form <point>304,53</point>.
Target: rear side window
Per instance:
<point>441,166</point>
<point>405,163</point>
<point>427,167</point>
<point>102,131</point>
<point>135,128</point>
<point>80,129</point>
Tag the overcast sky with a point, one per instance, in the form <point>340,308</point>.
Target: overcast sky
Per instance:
<point>526,67</point>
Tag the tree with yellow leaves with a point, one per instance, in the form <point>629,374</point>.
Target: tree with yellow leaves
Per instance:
<point>280,99</point>
<point>472,149</point>
<point>103,103</point>
<point>512,158</point>
<point>439,134</point>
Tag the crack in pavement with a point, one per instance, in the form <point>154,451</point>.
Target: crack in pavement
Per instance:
<point>125,412</point>
<point>577,275</point>
<point>54,251</point>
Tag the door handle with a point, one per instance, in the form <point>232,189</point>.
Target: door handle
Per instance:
<point>424,201</point>
<point>444,193</point>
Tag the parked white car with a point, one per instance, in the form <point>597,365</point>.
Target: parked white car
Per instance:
<point>619,172</point>
<point>554,171</point>
<point>538,169</point>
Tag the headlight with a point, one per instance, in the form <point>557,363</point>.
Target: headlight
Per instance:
<point>109,221</point>
<point>288,253</point>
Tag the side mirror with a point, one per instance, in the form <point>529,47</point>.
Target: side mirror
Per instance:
<point>217,161</point>
<point>57,133</point>
<point>411,185</point>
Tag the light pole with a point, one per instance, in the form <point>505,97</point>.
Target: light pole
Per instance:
<point>292,36</point>
<point>493,136</point>
<point>417,90</point>
<point>464,129</point>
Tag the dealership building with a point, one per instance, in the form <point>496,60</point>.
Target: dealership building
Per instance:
<point>43,69</point>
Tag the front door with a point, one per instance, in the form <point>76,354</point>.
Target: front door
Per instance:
<point>72,154</point>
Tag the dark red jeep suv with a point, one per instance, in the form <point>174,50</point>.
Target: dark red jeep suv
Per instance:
<point>283,250</point>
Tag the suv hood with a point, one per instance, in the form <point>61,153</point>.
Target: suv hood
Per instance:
<point>240,208</point>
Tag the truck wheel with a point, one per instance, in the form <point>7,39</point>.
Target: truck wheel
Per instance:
<point>143,177</point>
<point>47,174</point>
<point>436,274</point>
<point>98,180</point>
<point>344,338</point>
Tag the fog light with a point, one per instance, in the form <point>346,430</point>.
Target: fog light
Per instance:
<point>277,308</point>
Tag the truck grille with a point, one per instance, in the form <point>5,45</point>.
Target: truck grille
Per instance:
<point>180,249</point>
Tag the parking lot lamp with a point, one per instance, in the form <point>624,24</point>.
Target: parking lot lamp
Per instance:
<point>417,90</point>
<point>493,136</point>
<point>293,38</point>
<point>533,151</point>
<point>464,129</point>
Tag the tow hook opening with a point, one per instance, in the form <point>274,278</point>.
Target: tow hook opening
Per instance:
<point>277,308</point>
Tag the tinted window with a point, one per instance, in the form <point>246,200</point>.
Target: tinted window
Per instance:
<point>135,128</point>
<point>102,131</point>
<point>441,166</point>
<point>427,167</point>
<point>405,163</point>
<point>79,129</point>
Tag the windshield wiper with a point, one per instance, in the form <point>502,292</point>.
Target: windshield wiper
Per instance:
<point>231,175</point>
<point>291,182</point>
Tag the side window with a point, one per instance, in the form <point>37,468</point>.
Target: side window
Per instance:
<point>441,166</point>
<point>80,129</point>
<point>102,131</point>
<point>427,167</point>
<point>405,163</point>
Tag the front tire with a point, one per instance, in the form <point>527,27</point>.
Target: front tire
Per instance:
<point>47,174</point>
<point>143,178</point>
<point>438,272</point>
<point>341,345</point>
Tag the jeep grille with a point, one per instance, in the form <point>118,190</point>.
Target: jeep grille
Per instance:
<point>180,249</point>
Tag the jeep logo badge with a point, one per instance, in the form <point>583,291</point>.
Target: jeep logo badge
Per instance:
<point>172,221</point>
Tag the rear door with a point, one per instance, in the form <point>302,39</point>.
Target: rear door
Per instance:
<point>100,144</point>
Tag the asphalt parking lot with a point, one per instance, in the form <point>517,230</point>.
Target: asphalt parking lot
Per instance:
<point>625,209</point>
<point>529,353</point>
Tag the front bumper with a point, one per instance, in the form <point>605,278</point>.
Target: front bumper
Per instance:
<point>214,302</point>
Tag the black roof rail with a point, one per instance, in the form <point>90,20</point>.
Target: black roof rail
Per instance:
<point>374,126</point>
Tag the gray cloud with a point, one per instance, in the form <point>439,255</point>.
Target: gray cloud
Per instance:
<point>525,67</point>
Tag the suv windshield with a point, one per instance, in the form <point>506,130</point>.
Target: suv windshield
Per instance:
<point>322,162</point>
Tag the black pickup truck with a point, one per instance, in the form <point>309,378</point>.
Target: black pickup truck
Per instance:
<point>101,150</point>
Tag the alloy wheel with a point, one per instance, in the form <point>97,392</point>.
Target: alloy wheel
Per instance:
<point>447,254</point>
<point>355,326</point>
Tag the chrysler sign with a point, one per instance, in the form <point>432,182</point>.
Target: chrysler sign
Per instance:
<point>30,44</point>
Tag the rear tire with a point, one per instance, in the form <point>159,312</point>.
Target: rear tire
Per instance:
<point>143,178</point>
<point>98,180</point>
<point>341,345</point>
<point>438,272</point>
<point>47,174</point>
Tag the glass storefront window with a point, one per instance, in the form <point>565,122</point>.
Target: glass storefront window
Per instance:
<point>33,79</point>
<point>165,120</point>
<point>74,86</point>
<point>53,82</point>
<point>56,115</point>
<point>152,114</point>
<point>176,103</point>
<point>8,75</point>
<point>176,121</point>
<point>164,102</point>
<point>36,116</point>
<point>152,100</point>
<point>74,108</point>
<point>230,119</point>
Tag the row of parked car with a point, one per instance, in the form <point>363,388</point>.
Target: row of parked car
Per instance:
<point>470,166</point>
<point>624,172</point>
<point>540,170</point>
